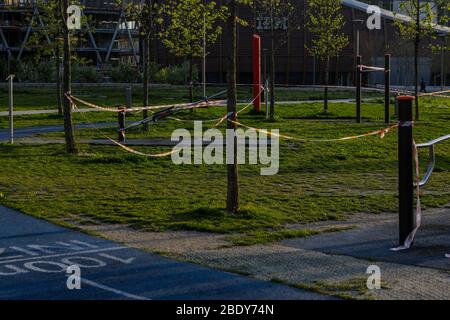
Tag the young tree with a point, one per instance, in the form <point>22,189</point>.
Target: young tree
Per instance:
<point>325,22</point>
<point>47,40</point>
<point>423,16</point>
<point>146,14</point>
<point>278,12</point>
<point>231,32</point>
<point>188,25</point>
<point>67,78</point>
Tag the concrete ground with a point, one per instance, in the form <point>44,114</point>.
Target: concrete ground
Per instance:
<point>332,263</point>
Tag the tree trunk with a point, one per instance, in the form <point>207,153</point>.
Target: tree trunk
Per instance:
<point>232,169</point>
<point>145,65</point>
<point>327,80</point>
<point>191,80</point>
<point>58,80</point>
<point>68,123</point>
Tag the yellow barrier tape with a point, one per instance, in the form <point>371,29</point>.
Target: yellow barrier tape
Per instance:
<point>126,148</point>
<point>382,134</point>
<point>180,105</point>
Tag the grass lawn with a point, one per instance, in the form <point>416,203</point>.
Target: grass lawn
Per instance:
<point>316,182</point>
<point>38,98</point>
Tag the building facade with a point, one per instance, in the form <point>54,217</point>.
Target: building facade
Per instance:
<point>113,38</point>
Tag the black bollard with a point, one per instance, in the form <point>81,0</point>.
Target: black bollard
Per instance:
<point>407,220</point>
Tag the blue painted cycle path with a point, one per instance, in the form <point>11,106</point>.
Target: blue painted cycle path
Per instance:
<point>35,254</point>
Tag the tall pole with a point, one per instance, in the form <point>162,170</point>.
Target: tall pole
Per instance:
<point>358,89</point>
<point>204,50</point>
<point>387,88</point>
<point>407,221</point>
<point>11,108</point>
<point>256,72</point>
<point>442,66</point>
<point>357,41</point>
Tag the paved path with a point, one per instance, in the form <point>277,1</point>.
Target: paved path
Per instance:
<point>337,263</point>
<point>43,111</point>
<point>30,131</point>
<point>34,256</point>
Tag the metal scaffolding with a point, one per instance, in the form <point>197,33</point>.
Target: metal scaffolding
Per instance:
<point>110,36</point>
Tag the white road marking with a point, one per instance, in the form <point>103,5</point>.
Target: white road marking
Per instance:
<point>64,254</point>
<point>11,257</point>
<point>116,291</point>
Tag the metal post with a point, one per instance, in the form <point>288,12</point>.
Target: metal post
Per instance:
<point>358,89</point>
<point>442,68</point>
<point>266,96</point>
<point>122,115</point>
<point>11,108</point>
<point>204,50</point>
<point>405,167</point>
<point>257,72</point>
<point>387,88</point>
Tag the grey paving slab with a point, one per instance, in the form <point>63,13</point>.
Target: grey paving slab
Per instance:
<point>374,241</point>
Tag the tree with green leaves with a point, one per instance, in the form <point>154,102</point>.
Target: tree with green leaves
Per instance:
<point>147,14</point>
<point>421,27</point>
<point>47,39</point>
<point>190,25</point>
<point>275,11</point>
<point>52,26</point>
<point>325,21</point>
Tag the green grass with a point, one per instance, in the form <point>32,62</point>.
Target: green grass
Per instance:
<point>349,289</point>
<point>316,182</point>
<point>269,236</point>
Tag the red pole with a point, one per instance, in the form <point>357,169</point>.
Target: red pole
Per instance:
<point>257,72</point>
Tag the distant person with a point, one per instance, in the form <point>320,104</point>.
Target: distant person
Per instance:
<point>423,86</point>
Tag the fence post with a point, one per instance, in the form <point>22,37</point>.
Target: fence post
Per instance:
<point>11,108</point>
<point>387,88</point>
<point>405,167</point>
<point>358,89</point>
<point>122,114</point>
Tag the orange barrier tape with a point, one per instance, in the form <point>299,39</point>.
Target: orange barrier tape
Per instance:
<point>159,155</point>
<point>181,105</point>
<point>382,134</point>
<point>221,119</point>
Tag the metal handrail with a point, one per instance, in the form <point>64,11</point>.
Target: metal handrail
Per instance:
<point>431,150</point>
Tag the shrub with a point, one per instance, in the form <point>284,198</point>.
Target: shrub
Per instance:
<point>177,74</point>
<point>86,74</point>
<point>125,73</point>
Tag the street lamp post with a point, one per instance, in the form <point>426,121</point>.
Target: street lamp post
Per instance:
<point>204,50</point>
<point>358,22</point>
<point>443,76</point>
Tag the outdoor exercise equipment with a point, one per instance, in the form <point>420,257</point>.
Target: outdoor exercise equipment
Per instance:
<point>169,111</point>
<point>257,72</point>
<point>360,69</point>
